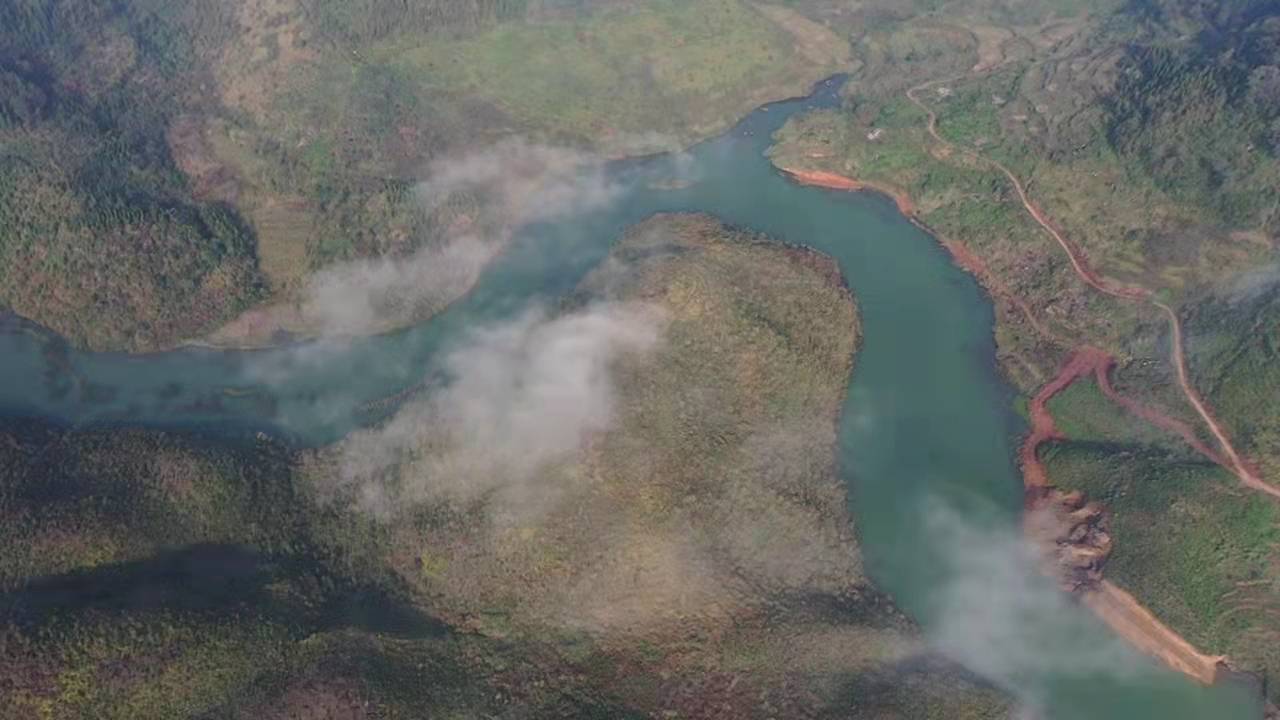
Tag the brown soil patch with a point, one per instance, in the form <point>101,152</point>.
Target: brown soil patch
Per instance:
<point>834,181</point>
<point>1085,361</point>
<point>990,41</point>
<point>284,226</point>
<point>1157,418</point>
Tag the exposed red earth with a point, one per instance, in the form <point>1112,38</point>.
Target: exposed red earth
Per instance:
<point>1083,362</point>
<point>834,181</point>
<point>1086,361</point>
<point>1156,417</point>
<point>1076,535</point>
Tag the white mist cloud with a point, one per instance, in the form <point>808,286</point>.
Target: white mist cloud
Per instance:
<point>522,395</point>
<point>1001,617</point>
<point>360,296</point>
<point>523,182</point>
<point>508,185</point>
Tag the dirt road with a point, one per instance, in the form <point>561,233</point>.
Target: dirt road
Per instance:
<point>1119,610</point>
<point>1080,263</point>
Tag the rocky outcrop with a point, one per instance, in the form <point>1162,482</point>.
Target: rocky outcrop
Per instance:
<point>1072,536</point>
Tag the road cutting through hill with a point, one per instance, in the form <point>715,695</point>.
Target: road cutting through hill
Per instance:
<point>1080,263</point>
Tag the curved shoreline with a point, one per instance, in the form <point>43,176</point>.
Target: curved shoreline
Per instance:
<point>1116,608</point>
<point>960,253</point>
<point>1085,271</point>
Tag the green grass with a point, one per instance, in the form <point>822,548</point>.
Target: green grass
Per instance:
<point>1084,414</point>
<point>970,117</point>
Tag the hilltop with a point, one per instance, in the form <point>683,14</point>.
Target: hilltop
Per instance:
<point>688,557</point>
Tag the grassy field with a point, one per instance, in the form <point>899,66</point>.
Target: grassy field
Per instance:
<point>675,69</point>
<point>1084,414</point>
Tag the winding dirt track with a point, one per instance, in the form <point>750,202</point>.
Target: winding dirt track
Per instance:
<point>1242,470</point>
<point>1080,263</point>
<point>1121,611</point>
<point>1085,361</point>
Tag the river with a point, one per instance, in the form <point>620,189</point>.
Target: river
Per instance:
<point>927,434</point>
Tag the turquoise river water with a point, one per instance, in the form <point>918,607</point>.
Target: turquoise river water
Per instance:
<point>926,438</point>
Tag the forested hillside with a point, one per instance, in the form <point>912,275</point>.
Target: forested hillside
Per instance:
<point>1198,105</point>
<point>101,237</point>
<point>691,560</point>
<point>166,165</point>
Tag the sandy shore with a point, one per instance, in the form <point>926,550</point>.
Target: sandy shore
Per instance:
<point>1131,621</point>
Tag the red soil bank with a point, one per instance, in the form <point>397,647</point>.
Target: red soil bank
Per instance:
<point>1083,362</point>
<point>833,181</point>
<point>963,257</point>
